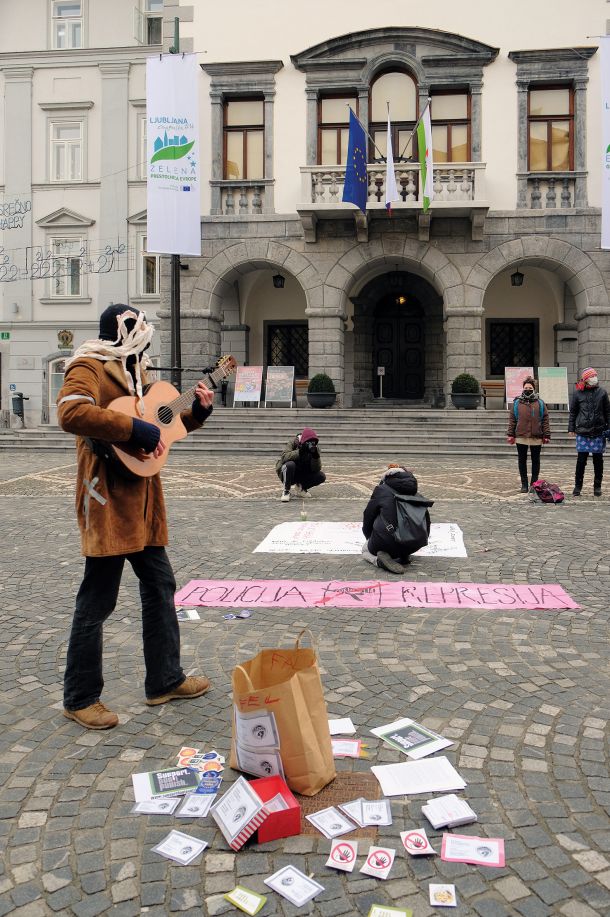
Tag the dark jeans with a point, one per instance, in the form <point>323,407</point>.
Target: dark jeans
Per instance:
<point>95,602</point>
<point>293,473</point>
<point>522,458</point>
<point>581,464</point>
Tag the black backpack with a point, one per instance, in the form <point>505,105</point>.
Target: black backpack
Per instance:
<point>412,522</point>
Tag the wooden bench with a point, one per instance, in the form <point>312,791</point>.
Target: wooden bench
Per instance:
<point>492,388</point>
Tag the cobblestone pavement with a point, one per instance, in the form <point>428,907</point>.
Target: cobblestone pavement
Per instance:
<point>524,695</point>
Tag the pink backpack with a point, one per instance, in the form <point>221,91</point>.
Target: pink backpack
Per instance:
<point>548,493</point>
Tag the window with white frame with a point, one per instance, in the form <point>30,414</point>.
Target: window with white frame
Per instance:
<point>66,139</point>
<point>149,271</point>
<point>153,22</point>
<point>67,23</point>
<point>66,268</point>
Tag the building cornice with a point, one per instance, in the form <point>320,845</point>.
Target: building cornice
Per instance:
<point>76,57</point>
<point>243,69</point>
<point>71,106</point>
<point>548,55</point>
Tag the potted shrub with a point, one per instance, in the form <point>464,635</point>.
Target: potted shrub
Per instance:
<point>465,392</point>
<point>321,391</point>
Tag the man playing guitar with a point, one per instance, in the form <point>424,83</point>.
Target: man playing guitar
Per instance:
<point>121,516</point>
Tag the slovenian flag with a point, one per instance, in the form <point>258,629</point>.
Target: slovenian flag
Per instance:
<point>424,145</point>
<point>391,191</point>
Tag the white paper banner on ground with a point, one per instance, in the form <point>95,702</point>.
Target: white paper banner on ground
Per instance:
<point>446,539</point>
<point>553,384</point>
<point>605,74</point>
<point>172,142</point>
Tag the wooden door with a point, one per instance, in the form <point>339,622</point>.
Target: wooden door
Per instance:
<point>398,345</point>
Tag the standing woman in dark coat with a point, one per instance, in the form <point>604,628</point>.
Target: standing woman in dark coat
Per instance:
<point>381,548</point>
<point>589,419</point>
<point>528,427</point>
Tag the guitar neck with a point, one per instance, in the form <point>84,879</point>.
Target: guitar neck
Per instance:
<point>184,401</point>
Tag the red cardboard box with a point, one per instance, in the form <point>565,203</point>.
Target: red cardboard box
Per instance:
<point>284,822</point>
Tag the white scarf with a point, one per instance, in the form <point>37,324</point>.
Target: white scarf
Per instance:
<point>128,344</point>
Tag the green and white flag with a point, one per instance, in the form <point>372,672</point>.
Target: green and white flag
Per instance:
<point>424,145</point>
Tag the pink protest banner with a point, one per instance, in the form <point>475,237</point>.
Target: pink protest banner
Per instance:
<point>513,377</point>
<point>372,594</point>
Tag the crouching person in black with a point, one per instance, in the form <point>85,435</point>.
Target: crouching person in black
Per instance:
<point>300,465</point>
<point>396,522</point>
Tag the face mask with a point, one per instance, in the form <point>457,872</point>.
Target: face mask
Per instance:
<point>528,392</point>
<point>592,382</point>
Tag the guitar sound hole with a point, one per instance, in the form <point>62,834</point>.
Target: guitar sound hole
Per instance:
<point>164,414</point>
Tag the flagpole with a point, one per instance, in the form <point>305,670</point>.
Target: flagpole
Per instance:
<point>410,137</point>
<point>365,131</point>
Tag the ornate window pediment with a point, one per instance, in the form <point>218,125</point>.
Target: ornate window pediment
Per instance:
<point>64,218</point>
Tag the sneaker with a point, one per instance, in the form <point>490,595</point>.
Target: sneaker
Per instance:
<point>193,686</point>
<point>388,563</point>
<point>576,491</point>
<point>95,716</point>
<point>285,498</point>
<point>301,491</point>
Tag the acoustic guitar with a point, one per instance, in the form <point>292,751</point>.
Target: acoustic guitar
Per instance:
<point>162,407</point>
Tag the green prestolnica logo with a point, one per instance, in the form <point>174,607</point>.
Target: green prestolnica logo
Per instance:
<point>173,148</point>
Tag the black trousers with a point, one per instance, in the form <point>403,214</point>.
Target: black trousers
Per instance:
<point>522,459</point>
<point>581,464</point>
<point>294,473</point>
<point>95,602</point>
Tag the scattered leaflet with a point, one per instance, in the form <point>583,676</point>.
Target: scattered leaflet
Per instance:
<point>481,851</point>
<point>179,847</point>
<point>187,614</point>
<point>416,842</point>
<point>376,812</point>
<point>342,727</point>
<point>379,862</point>
<point>347,748</point>
<point>257,743</point>
<point>353,810</point>
<point>238,813</point>
<point>384,910</point>
<point>294,885</point>
<point>200,761</point>
<point>209,783</point>
<point>175,781</point>
<point>448,812</point>
<point>443,896</point>
<point>343,855</point>
<point>195,806</point>
<point>411,738</point>
<point>330,822</point>
<point>245,899</point>
<point>156,806</point>
<point>411,777</point>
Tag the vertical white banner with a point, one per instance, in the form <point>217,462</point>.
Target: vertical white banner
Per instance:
<point>172,140</point>
<point>605,77</point>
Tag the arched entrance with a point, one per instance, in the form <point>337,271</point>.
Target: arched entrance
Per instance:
<point>398,324</point>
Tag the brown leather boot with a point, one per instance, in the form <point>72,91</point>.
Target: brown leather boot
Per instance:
<point>193,686</point>
<point>96,716</point>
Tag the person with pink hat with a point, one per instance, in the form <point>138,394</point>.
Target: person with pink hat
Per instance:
<point>300,465</point>
<point>589,420</point>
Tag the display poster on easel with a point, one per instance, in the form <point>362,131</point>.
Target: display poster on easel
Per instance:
<point>248,384</point>
<point>553,384</point>
<point>279,385</point>
<point>514,376</point>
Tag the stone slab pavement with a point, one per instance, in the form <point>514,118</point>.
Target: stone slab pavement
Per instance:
<point>525,696</point>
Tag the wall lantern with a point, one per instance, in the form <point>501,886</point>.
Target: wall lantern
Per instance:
<point>278,281</point>
<point>516,279</point>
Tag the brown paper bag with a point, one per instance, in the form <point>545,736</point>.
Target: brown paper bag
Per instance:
<point>286,682</point>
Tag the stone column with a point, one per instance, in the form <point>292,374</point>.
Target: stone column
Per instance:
<point>580,141</point>
<point>312,127</point>
<point>363,351</point>
<point>216,125</point>
<point>463,335</point>
<point>18,184</point>
<point>326,346</point>
<point>522,90</point>
<point>363,106</point>
<point>113,285</point>
<point>475,121</point>
<point>268,202</point>
<point>594,341</point>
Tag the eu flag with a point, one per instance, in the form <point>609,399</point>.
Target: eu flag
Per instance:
<point>355,188</point>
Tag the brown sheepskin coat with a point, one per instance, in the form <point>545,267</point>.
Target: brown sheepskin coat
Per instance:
<point>133,516</point>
